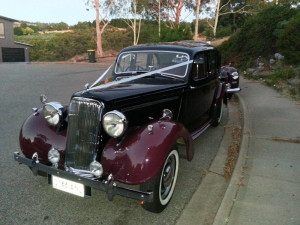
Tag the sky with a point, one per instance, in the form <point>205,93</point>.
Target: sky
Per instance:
<point>51,11</point>
<point>47,11</point>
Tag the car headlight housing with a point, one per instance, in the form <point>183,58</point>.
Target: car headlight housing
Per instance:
<point>53,156</point>
<point>114,123</point>
<point>53,112</point>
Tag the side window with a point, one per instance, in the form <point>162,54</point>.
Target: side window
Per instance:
<point>213,63</point>
<point>126,61</point>
<point>199,67</point>
<point>2,35</point>
<point>152,62</point>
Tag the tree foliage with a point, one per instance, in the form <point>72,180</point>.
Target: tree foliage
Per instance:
<point>288,41</point>
<point>182,32</point>
<point>257,37</point>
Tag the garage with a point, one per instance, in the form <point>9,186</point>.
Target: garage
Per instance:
<point>10,50</point>
<point>13,54</point>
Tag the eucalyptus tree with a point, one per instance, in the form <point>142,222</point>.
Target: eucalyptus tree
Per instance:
<point>224,7</point>
<point>169,10</point>
<point>198,4</point>
<point>133,11</point>
<point>104,9</point>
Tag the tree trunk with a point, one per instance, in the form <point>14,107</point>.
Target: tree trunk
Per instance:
<point>178,9</point>
<point>159,18</point>
<point>217,18</point>
<point>98,32</point>
<point>197,20</point>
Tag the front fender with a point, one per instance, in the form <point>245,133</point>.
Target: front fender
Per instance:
<point>37,135</point>
<point>141,154</point>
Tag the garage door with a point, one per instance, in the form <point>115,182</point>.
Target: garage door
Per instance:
<point>13,54</point>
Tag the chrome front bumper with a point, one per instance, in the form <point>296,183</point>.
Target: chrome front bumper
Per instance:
<point>108,186</point>
<point>232,90</point>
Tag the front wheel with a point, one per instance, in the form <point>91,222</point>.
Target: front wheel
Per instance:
<point>163,184</point>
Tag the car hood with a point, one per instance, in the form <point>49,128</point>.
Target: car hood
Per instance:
<point>127,90</point>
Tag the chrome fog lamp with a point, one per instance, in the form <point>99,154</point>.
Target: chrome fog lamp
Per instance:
<point>52,112</point>
<point>235,75</point>
<point>53,156</point>
<point>96,169</point>
<point>114,123</point>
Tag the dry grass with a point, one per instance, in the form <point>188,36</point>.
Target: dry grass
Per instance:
<point>297,140</point>
<point>219,41</point>
<point>233,151</point>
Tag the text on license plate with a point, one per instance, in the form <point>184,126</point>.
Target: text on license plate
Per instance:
<point>68,186</point>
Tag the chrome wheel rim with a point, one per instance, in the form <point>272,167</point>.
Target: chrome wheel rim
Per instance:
<point>168,177</point>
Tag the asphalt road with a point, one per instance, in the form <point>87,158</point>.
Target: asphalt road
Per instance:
<point>26,199</point>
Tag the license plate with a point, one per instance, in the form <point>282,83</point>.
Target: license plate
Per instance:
<point>68,186</point>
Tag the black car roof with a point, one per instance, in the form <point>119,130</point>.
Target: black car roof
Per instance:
<point>190,47</point>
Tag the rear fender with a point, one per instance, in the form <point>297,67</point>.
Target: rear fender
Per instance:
<point>141,153</point>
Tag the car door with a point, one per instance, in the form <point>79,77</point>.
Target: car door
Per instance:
<point>202,85</point>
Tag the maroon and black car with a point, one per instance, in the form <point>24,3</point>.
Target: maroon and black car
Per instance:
<point>230,76</point>
<point>125,127</point>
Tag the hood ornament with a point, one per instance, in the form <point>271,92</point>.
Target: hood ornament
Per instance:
<point>43,99</point>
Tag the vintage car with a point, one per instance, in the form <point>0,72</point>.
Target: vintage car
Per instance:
<point>126,126</point>
<point>230,76</point>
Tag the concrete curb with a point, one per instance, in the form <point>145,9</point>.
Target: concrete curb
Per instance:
<point>207,198</point>
<point>224,211</point>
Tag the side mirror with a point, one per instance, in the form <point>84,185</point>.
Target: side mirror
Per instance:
<point>87,86</point>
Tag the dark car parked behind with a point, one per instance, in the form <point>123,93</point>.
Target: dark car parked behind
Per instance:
<point>230,76</point>
<point>125,127</point>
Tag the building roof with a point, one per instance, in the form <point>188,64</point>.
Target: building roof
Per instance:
<point>6,18</point>
<point>20,43</point>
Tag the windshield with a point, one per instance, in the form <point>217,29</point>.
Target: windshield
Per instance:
<point>176,69</point>
<point>146,61</point>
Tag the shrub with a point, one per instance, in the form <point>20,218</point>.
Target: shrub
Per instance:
<point>256,36</point>
<point>288,41</point>
<point>182,32</point>
<point>223,31</point>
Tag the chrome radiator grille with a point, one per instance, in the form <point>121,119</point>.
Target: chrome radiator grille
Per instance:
<point>83,132</point>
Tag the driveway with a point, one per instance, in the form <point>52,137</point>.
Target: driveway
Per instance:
<point>26,199</point>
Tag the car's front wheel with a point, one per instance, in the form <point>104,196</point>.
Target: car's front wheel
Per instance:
<point>163,184</point>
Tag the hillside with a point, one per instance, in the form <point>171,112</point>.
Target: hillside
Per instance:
<point>267,47</point>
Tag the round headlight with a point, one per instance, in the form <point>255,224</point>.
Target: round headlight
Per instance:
<point>53,156</point>
<point>52,112</point>
<point>114,123</point>
<point>96,169</point>
<point>235,75</point>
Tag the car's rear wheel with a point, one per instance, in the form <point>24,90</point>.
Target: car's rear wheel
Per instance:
<point>217,115</point>
<point>163,184</point>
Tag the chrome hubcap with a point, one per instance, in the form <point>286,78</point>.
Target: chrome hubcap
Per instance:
<point>168,177</point>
